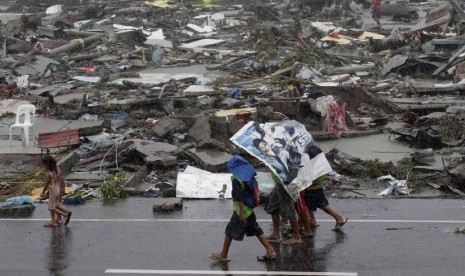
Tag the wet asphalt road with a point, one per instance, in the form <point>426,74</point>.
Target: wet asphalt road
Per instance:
<point>382,237</point>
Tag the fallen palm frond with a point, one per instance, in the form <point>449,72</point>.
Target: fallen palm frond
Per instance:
<point>23,184</point>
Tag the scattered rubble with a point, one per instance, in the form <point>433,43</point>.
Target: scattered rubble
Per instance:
<point>148,89</point>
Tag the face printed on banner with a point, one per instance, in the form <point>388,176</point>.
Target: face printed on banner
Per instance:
<point>263,146</point>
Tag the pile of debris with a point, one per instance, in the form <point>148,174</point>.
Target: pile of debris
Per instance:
<point>150,87</point>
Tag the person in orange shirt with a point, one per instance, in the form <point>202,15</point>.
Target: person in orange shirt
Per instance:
<point>376,11</point>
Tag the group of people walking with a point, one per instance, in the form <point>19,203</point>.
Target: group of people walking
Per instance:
<point>281,206</point>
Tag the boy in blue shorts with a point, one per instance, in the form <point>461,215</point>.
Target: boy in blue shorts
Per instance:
<point>243,221</point>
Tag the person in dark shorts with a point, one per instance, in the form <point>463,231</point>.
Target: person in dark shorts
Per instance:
<point>315,199</point>
<point>376,11</point>
<point>281,206</point>
<point>242,223</point>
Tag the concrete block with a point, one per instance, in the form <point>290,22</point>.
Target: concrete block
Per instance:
<point>210,159</point>
<point>167,125</point>
<point>167,204</point>
<point>138,177</point>
<point>17,211</point>
<point>68,161</point>
<point>200,132</point>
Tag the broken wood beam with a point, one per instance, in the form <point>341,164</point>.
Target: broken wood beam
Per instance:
<point>82,34</point>
<point>282,71</point>
<point>428,107</point>
<point>451,60</point>
<point>348,69</point>
<point>434,90</point>
<point>85,56</point>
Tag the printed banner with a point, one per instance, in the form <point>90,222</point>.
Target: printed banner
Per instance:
<point>288,149</point>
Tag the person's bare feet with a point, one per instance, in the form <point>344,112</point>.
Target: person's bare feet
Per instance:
<point>271,253</point>
<point>292,241</point>
<point>273,238</point>
<point>306,234</point>
<point>50,224</point>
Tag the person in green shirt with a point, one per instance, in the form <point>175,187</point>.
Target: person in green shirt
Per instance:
<point>315,198</point>
<point>243,221</point>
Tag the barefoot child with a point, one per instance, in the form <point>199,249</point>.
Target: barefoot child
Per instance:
<point>315,198</point>
<point>243,221</point>
<point>54,192</point>
<point>281,207</point>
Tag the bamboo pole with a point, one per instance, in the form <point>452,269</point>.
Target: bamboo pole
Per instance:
<point>75,45</point>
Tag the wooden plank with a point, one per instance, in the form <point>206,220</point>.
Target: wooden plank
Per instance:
<point>58,139</point>
<point>439,41</point>
<point>452,58</point>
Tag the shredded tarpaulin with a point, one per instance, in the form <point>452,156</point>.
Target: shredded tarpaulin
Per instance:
<point>19,200</point>
<point>87,79</point>
<point>311,74</point>
<point>235,92</point>
<point>54,9</point>
<point>288,149</point>
<point>89,117</point>
<point>396,186</point>
<point>203,81</point>
<point>334,115</point>
<point>157,54</point>
<point>23,81</point>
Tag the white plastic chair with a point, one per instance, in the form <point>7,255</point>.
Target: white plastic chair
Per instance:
<point>26,112</point>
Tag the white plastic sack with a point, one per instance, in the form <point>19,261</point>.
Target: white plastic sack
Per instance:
<point>23,81</point>
<point>396,186</point>
<point>54,9</point>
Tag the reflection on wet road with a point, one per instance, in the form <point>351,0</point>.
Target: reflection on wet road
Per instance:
<point>60,243</point>
<point>127,238</point>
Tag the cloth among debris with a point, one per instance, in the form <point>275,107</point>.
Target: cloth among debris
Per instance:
<point>333,114</point>
<point>397,187</point>
<point>19,200</point>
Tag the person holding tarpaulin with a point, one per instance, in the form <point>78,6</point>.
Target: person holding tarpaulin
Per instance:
<point>281,206</point>
<point>243,221</point>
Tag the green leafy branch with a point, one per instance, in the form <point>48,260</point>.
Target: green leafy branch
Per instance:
<point>112,186</point>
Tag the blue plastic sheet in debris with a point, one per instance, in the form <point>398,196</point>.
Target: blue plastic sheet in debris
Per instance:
<point>19,200</point>
<point>119,115</point>
<point>157,54</point>
<point>235,92</point>
<point>203,81</point>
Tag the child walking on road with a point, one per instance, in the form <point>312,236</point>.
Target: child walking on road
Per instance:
<point>315,198</point>
<point>243,221</point>
<point>54,192</point>
<point>281,207</point>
